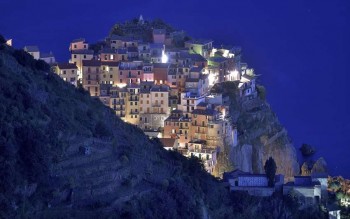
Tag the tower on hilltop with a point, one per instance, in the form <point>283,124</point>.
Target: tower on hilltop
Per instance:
<point>141,21</point>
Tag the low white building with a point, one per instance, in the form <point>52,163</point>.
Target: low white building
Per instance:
<point>49,58</point>
<point>254,184</point>
<point>305,189</point>
<point>33,51</point>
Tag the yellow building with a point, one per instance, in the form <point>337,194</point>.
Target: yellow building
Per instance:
<point>118,99</point>
<point>68,72</point>
<point>132,104</point>
<point>77,58</point>
<point>109,72</point>
<point>201,47</point>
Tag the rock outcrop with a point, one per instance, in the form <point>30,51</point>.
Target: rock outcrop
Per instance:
<point>261,136</point>
<point>320,166</point>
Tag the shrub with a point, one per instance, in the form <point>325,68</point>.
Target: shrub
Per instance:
<point>101,130</point>
<point>307,150</point>
<point>42,65</point>
<point>270,170</point>
<point>2,39</point>
<point>24,58</point>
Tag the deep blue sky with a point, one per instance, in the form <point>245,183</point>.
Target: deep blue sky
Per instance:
<point>301,49</point>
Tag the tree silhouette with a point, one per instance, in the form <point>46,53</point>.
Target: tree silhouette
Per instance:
<point>270,170</point>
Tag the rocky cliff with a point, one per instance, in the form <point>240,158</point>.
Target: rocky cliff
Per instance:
<point>260,135</point>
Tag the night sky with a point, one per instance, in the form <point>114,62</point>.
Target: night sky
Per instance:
<point>300,48</point>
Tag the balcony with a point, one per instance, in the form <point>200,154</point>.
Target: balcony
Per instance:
<point>199,125</point>
<point>133,99</point>
<point>120,110</point>
<point>156,105</point>
<point>133,113</point>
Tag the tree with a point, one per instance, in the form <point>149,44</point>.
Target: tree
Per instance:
<point>270,170</point>
<point>2,40</point>
<point>307,150</point>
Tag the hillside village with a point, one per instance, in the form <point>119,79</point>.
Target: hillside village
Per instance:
<point>166,88</point>
<point>163,89</point>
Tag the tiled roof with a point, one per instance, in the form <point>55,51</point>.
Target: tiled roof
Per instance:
<point>160,88</point>
<point>108,50</point>
<point>156,46</point>
<point>91,62</point>
<point>46,55</point>
<point>115,64</point>
<point>121,51</point>
<point>167,142</point>
<point>197,58</point>
<point>133,49</point>
<point>78,40</point>
<point>159,31</point>
<point>31,48</point>
<point>199,41</point>
<point>217,59</point>
<point>67,66</point>
<point>161,65</point>
<point>196,69</point>
<point>209,112</point>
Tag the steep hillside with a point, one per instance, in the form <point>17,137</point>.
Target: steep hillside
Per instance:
<point>64,154</point>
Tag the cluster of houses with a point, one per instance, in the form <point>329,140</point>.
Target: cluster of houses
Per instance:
<point>307,190</point>
<point>162,88</point>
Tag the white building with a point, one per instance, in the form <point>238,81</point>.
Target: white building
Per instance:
<point>305,189</point>
<point>33,51</point>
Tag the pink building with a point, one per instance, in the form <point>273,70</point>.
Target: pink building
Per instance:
<point>130,72</point>
<point>78,44</point>
<point>148,74</point>
<point>159,36</point>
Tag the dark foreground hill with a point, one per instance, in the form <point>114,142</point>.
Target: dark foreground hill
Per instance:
<point>66,155</point>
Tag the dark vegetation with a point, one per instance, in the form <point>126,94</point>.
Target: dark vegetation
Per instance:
<point>307,150</point>
<point>270,170</point>
<point>144,31</point>
<point>50,170</point>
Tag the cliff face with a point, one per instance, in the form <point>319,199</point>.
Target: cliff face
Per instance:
<point>260,135</point>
